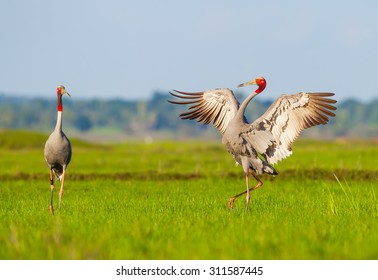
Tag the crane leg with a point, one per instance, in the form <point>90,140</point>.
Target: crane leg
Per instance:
<point>259,184</point>
<point>61,188</point>
<point>52,193</point>
<point>248,196</point>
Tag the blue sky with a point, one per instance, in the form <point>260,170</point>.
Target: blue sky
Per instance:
<point>129,49</point>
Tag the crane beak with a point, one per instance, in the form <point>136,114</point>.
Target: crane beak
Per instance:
<point>250,83</point>
<point>65,92</point>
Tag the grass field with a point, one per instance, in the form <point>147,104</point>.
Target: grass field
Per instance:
<point>168,200</point>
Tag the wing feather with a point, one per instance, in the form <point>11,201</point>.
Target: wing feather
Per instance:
<point>218,106</point>
<point>285,119</point>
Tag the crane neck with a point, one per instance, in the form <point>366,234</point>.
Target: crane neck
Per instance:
<point>60,103</point>
<point>243,106</point>
<point>60,113</point>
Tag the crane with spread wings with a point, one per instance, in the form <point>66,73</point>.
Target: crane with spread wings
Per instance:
<point>257,146</point>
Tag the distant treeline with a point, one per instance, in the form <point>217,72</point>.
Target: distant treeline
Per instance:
<point>354,119</point>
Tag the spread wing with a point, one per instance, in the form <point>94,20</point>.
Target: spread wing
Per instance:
<point>218,106</point>
<point>285,119</point>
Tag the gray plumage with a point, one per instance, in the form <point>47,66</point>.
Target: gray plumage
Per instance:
<point>259,145</point>
<point>58,151</point>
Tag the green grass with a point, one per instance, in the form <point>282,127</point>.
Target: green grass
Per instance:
<point>168,200</point>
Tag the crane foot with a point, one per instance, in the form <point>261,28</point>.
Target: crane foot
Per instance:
<point>51,210</point>
<point>231,203</point>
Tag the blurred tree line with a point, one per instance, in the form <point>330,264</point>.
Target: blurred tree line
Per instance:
<point>354,119</point>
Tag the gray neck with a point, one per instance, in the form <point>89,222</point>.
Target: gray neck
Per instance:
<point>240,114</point>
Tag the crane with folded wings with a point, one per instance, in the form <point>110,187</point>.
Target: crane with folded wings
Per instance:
<point>257,146</point>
